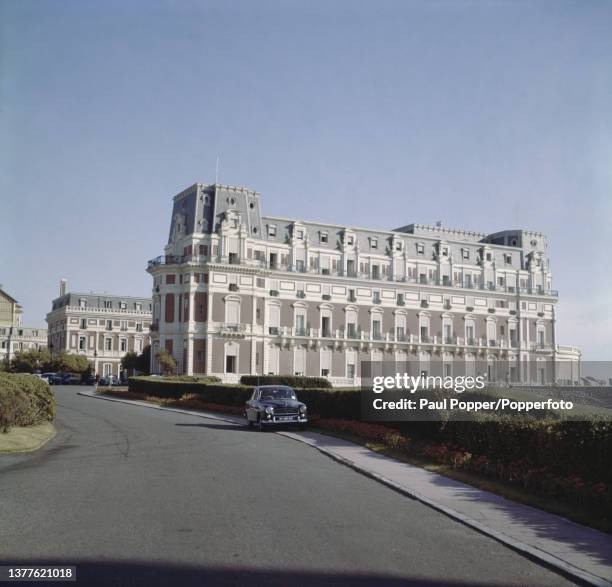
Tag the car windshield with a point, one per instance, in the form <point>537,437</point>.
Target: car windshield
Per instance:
<point>278,393</point>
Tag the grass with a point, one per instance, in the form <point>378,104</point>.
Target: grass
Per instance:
<point>27,438</point>
<point>572,511</point>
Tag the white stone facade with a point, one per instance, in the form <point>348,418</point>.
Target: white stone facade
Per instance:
<point>238,293</point>
<point>102,327</point>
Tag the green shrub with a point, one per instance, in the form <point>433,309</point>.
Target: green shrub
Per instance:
<point>563,447</point>
<point>296,381</point>
<point>24,400</point>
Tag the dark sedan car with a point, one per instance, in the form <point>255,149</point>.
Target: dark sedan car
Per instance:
<point>275,405</point>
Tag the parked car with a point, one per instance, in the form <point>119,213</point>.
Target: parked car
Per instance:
<point>89,379</point>
<point>52,378</point>
<point>70,379</point>
<point>275,405</point>
<point>105,381</point>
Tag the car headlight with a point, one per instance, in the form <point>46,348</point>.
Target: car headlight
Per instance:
<point>269,410</point>
<point>302,409</point>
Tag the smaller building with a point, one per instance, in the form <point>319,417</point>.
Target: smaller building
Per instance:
<point>103,327</point>
<point>13,336</point>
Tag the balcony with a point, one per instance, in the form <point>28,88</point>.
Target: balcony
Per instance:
<point>233,330</point>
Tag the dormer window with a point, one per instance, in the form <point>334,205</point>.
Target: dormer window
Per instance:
<point>465,253</point>
<point>350,239</point>
<point>299,234</point>
<point>271,230</point>
<point>373,243</point>
<point>82,303</point>
<point>420,249</point>
<point>323,237</point>
<point>508,259</point>
<point>488,256</point>
<point>445,251</point>
<point>398,245</point>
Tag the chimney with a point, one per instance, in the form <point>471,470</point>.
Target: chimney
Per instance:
<point>63,284</point>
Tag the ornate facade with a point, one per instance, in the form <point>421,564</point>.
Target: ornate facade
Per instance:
<point>236,292</point>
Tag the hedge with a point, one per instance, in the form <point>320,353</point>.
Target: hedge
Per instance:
<point>24,400</point>
<point>296,381</point>
<point>173,388</point>
<point>562,447</point>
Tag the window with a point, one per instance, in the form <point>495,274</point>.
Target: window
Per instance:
<point>82,303</point>
<point>124,326</point>
<point>109,325</point>
<point>465,253</point>
<point>82,343</point>
<point>323,237</point>
<point>230,364</point>
<point>373,243</point>
<point>138,326</point>
<point>350,240</point>
<point>123,345</point>
<point>398,245</point>
<point>138,307</point>
<point>122,305</point>
<point>271,234</point>
<point>445,251</point>
<point>170,279</point>
<point>83,323</point>
<point>300,325</point>
<point>508,259</point>
<point>488,256</point>
<point>108,304</point>
<point>420,248</point>
<point>299,234</point>
<point>108,344</point>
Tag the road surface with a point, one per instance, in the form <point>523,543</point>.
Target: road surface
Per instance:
<point>134,496</point>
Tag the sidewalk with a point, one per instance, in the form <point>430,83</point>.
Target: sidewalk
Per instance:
<point>582,552</point>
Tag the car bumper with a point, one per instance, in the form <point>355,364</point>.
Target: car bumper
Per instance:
<point>279,420</point>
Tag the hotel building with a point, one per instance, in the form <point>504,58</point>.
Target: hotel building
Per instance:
<point>237,292</point>
<point>103,327</point>
<point>13,336</point>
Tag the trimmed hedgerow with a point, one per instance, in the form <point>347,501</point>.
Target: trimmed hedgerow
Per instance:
<point>296,381</point>
<point>24,400</point>
<point>549,456</point>
<point>173,388</point>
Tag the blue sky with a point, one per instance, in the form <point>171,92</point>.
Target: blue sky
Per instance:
<point>485,115</point>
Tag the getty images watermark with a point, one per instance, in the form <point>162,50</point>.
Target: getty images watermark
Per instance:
<point>459,384</point>
<point>393,391</point>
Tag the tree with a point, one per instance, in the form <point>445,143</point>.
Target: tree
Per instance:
<point>70,363</point>
<point>137,362</point>
<point>166,362</point>
<point>143,361</point>
<point>128,361</point>
<point>30,361</point>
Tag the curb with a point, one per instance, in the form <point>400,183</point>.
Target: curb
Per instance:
<point>531,552</point>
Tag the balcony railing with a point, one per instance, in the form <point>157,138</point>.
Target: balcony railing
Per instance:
<point>421,280</point>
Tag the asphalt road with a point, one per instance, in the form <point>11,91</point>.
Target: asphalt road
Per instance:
<point>135,496</point>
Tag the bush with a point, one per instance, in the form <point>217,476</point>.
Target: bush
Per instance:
<point>296,381</point>
<point>24,400</point>
<point>207,389</point>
